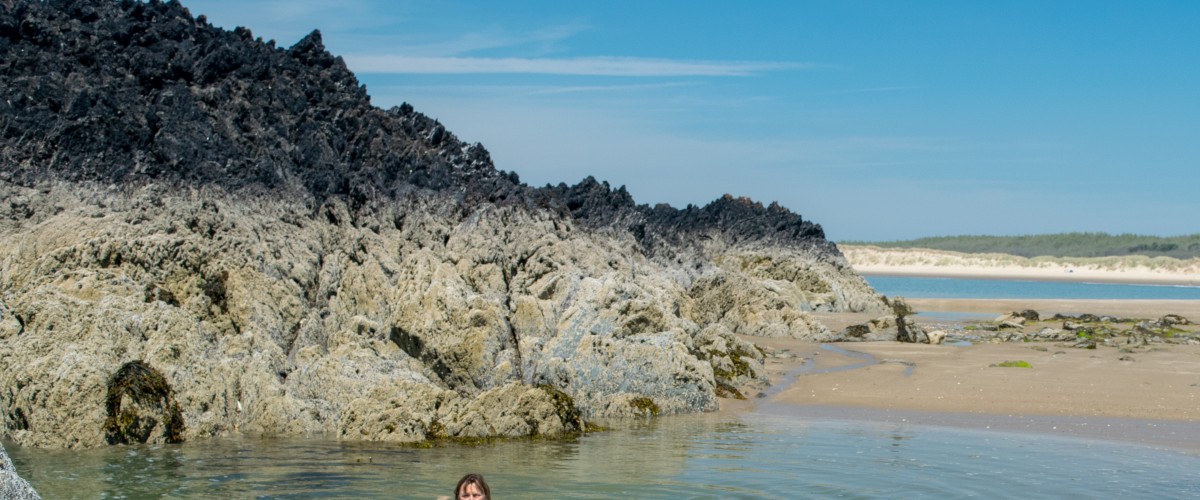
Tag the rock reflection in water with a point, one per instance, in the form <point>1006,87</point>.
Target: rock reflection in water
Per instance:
<point>705,456</point>
<point>640,453</point>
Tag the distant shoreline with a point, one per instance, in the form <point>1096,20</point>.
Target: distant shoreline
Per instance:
<point>982,274</point>
<point>1140,270</point>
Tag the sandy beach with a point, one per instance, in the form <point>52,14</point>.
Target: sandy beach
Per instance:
<point>1148,394</point>
<point>870,260</point>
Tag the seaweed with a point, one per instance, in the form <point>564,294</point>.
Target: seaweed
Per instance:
<point>645,406</point>
<point>727,390</point>
<point>1013,364</point>
<point>141,407</point>
<point>564,406</point>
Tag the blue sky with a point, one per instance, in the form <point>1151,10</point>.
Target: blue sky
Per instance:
<point>878,119</point>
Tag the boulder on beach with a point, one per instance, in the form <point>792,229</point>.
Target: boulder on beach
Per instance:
<point>936,337</point>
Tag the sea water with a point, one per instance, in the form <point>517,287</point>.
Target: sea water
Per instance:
<point>960,288</point>
<point>701,456</point>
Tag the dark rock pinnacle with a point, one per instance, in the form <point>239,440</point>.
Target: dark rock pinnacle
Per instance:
<point>123,91</point>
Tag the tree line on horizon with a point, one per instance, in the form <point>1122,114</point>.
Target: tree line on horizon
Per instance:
<point>1079,244</point>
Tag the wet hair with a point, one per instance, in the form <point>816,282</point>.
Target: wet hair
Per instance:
<point>477,480</point>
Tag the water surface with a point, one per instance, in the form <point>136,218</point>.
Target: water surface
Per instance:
<point>961,288</point>
<point>704,456</point>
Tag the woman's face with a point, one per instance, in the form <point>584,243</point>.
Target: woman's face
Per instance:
<point>470,491</point>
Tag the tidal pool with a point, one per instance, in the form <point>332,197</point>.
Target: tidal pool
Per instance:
<point>754,455</point>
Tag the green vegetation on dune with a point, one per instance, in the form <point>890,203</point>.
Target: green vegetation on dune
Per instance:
<point>1057,245</point>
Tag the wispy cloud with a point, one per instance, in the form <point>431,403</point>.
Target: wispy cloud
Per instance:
<point>869,90</point>
<point>538,42</point>
<point>585,66</point>
<point>607,88</point>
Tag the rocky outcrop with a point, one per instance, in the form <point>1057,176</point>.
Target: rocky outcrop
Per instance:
<point>884,328</point>
<point>129,91</point>
<point>1084,331</point>
<point>202,234</point>
<point>262,318</point>
<point>12,486</point>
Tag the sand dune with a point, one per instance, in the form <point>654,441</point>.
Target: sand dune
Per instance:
<point>925,262</point>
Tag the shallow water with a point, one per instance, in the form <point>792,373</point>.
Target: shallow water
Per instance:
<point>960,288</point>
<point>706,456</point>
<point>954,316</point>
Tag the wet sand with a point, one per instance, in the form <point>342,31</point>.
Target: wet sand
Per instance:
<point>1149,395</point>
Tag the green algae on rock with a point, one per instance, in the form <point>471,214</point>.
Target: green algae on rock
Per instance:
<point>141,407</point>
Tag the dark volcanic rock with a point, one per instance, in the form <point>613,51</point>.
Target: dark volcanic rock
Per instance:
<point>737,219</point>
<point>141,91</point>
<point>128,91</point>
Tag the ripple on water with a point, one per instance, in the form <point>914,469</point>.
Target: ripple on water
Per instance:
<point>706,456</point>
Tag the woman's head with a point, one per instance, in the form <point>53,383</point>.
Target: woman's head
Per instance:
<point>472,487</point>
